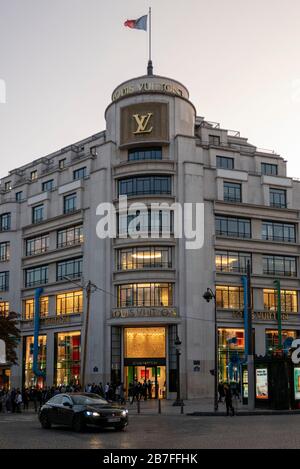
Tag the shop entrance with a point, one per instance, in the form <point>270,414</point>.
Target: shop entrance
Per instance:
<point>145,361</point>
<point>154,376</point>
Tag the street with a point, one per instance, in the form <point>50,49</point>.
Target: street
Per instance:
<point>157,431</point>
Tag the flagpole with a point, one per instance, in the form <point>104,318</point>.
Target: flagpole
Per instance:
<point>150,66</point>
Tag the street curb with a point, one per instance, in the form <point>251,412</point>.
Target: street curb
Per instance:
<point>245,413</point>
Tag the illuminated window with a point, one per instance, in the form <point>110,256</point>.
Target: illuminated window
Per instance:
<point>30,378</point>
<point>289,302</point>
<point>69,303</point>
<point>229,297</point>
<point>34,175</point>
<point>4,308</point>
<point>145,342</point>
<point>145,294</point>
<point>28,312</point>
<point>4,251</point>
<point>231,349</point>
<point>37,245</point>
<point>231,261</point>
<point>272,340</point>
<point>68,355</point>
<point>142,258</point>
<point>70,236</point>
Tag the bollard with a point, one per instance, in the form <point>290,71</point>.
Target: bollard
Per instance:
<point>138,407</point>
<point>159,406</point>
<point>181,409</point>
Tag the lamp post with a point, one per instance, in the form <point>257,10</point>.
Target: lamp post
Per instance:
<point>179,401</point>
<point>208,296</point>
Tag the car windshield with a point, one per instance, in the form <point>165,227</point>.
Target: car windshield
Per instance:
<point>89,400</point>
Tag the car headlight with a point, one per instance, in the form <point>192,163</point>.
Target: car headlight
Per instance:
<point>92,414</point>
<point>124,413</point>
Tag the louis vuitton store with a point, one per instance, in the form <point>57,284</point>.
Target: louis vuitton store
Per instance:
<point>143,353</point>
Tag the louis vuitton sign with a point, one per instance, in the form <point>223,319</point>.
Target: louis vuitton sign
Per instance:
<point>172,88</point>
<point>126,313</point>
<point>144,122</point>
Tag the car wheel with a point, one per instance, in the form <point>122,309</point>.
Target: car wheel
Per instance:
<point>45,422</point>
<point>78,424</point>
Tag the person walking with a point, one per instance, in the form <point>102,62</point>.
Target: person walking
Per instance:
<point>106,391</point>
<point>221,391</point>
<point>228,400</point>
<point>18,401</point>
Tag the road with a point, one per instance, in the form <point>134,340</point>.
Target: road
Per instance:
<point>157,431</point>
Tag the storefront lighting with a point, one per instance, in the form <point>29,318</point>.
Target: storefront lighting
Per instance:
<point>156,255</point>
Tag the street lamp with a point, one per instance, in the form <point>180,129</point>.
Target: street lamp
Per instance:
<point>208,296</point>
<point>177,343</point>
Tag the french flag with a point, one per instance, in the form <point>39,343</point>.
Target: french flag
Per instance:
<point>140,23</point>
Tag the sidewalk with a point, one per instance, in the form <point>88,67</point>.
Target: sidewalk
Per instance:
<point>199,407</point>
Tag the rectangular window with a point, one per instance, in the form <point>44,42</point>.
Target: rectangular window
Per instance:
<point>36,276</point>
<point>275,231</point>
<point>62,163</point>
<point>268,169</point>
<point>48,185</point>
<point>232,192</point>
<point>231,349</point>
<point>278,198</point>
<point>5,251</point>
<point>7,186</point>
<point>4,281</point>
<point>37,214</point>
<point>70,203</point>
<point>5,222</point>
<point>232,261</point>
<point>71,268</point>
<point>154,223</point>
<point>142,185</point>
<point>145,154</point>
<point>37,245</point>
<point>233,226</point>
<point>28,305</point>
<point>272,342</point>
<point>19,196</point>
<point>79,173</point>
<point>68,356</point>
<point>144,257</point>
<point>145,294</point>
<point>214,140</point>
<point>70,236</point>
<point>229,297</point>
<point>69,303</point>
<point>289,301</point>
<point>223,162</point>
<point>30,379</point>
<point>4,308</point>
<point>33,175</point>
<point>279,265</point>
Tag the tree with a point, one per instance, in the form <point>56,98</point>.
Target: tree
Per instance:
<point>10,333</point>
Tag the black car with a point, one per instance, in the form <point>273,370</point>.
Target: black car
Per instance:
<point>78,410</point>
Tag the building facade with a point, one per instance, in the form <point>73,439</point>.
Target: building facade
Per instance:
<point>145,290</point>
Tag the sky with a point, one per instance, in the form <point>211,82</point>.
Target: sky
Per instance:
<point>61,59</point>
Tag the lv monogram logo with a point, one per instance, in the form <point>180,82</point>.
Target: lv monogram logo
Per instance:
<point>142,123</point>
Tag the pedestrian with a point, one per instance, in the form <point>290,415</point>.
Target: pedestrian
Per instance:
<point>18,401</point>
<point>221,391</point>
<point>149,386</point>
<point>106,391</point>
<point>228,400</point>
